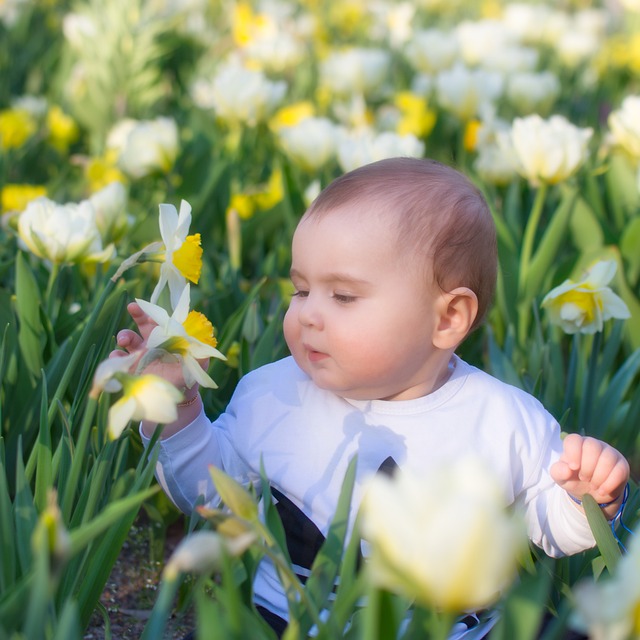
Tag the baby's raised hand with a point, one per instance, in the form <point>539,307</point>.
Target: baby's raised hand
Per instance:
<point>130,341</point>
<point>590,466</point>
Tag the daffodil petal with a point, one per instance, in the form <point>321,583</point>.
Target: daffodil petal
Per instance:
<point>120,414</point>
<point>614,306</point>
<point>198,374</point>
<point>154,311</point>
<point>168,222</point>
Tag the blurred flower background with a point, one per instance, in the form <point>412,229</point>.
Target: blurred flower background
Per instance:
<point>245,110</point>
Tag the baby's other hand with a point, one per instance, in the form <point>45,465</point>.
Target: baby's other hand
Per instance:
<point>590,466</point>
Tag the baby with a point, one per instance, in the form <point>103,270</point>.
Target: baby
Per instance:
<point>393,265</point>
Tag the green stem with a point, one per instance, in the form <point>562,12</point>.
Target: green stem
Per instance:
<point>50,294</point>
<point>529,236</point>
<point>526,253</point>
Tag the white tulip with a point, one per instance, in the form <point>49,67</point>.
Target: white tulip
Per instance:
<point>110,206</point>
<point>312,142</point>
<point>145,146</point>
<point>445,539</point>
<point>432,50</point>
<point>363,147</point>
<point>467,93</point>
<point>62,232</point>
<point>481,38</point>
<point>624,125</point>
<point>239,95</point>
<point>355,70</point>
<point>532,92</point>
<point>547,151</point>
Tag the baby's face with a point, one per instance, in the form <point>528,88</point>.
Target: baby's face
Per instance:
<point>362,319</point>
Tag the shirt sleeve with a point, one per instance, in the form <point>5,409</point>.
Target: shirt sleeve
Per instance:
<point>553,521</point>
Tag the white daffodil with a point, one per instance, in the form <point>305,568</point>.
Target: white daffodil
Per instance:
<point>146,397</point>
<point>546,151</point>
<point>183,253</point>
<point>446,539</point>
<point>62,233</point>
<point>202,552</point>
<point>186,335</point>
<point>583,306</point>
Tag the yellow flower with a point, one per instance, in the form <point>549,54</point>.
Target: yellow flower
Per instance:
<point>103,170</point>
<point>242,204</point>
<point>188,258</point>
<point>16,127</point>
<point>274,192</point>
<point>16,197</point>
<point>471,130</point>
<point>416,117</point>
<point>183,254</point>
<point>145,397</point>
<point>187,336</point>
<point>63,131</point>
<point>199,327</point>
<point>246,24</point>
<point>291,115</point>
<point>583,306</point>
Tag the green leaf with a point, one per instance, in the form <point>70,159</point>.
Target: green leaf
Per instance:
<point>234,495</point>
<point>607,544</point>
<point>31,331</point>
<point>44,481</point>
<point>326,564</point>
<point>586,229</point>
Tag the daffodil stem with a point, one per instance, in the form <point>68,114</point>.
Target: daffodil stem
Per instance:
<point>157,623</point>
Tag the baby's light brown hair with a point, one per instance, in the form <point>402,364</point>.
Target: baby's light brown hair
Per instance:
<point>442,216</point>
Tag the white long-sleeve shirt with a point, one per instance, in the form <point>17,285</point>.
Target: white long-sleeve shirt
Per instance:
<point>306,437</point>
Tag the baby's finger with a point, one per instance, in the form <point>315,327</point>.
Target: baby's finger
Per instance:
<point>129,340</point>
<point>143,321</point>
<point>572,451</point>
<point>606,461</point>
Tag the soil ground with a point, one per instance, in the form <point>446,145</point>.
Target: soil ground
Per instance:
<point>131,590</point>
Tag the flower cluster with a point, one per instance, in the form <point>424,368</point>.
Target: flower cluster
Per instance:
<point>185,336</point>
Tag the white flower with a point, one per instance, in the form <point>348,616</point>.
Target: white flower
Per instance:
<point>239,95</point>
<point>202,552</point>
<point>110,206</point>
<point>532,92</point>
<point>62,232</point>
<point>585,305</point>
<point>362,147</point>
<point>468,93</point>
<point>432,50</point>
<point>183,254</point>
<point>355,70</point>
<point>609,608</point>
<point>549,150</point>
<point>312,142</point>
<point>624,124</point>
<point>145,146</point>
<point>481,39</point>
<point>186,335</point>
<point>145,397</point>
<point>445,539</point>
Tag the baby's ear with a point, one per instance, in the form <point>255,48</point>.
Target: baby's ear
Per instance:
<point>457,312</point>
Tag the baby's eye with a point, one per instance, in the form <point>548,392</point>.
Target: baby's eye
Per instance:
<point>300,294</point>
<point>344,298</point>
